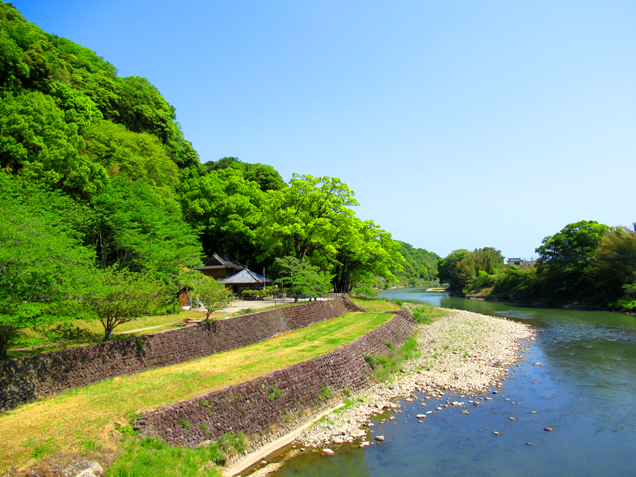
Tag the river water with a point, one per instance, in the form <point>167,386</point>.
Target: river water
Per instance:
<point>585,391</point>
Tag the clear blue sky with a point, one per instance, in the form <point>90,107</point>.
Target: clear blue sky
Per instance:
<point>459,124</point>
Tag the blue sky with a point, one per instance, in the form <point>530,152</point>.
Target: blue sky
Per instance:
<point>459,124</point>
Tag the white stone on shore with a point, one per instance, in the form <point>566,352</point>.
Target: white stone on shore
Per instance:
<point>491,343</point>
<point>328,452</point>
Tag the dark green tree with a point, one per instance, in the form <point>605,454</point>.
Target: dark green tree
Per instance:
<point>565,259</point>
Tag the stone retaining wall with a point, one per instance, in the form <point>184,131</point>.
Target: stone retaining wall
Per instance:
<point>276,403</point>
<point>25,379</point>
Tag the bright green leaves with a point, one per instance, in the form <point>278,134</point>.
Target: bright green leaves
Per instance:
<point>226,210</point>
<point>78,108</point>
<point>119,296</point>
<point>37,142</point>
<point>575,244</point>
<point>139,230</point>
<point>464,270</point>
<point>302,279</point>
<point>312,220</point>
<point>41,263</point>
<point>306,215</point>
<point>138,155</point>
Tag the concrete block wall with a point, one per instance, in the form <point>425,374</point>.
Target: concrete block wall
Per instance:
<point>276,403</point>
<point>27,378</point>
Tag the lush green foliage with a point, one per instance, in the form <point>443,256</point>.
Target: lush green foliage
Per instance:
<point>118,297</point>
<point>211,293</point>
<point>464,270</point>
<point>301,279</point>
<point>43,268</point>
<point>585,263</point>
<point>113,184</point>
<point>419,264</point>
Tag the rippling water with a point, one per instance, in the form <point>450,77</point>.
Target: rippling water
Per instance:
<point>585,391</point>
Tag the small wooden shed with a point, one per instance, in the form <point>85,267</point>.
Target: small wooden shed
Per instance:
<point>183,296</point>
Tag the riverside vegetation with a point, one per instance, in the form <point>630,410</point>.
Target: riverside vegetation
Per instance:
<point>586,263</point>
<point>107,208</point>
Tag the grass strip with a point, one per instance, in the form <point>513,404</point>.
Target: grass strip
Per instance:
<point>83,421</point>
<point>375,304</point>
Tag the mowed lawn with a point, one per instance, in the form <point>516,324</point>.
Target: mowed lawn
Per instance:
<point>82,421</point>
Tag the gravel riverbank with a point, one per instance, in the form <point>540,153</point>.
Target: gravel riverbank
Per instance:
<point>463,353</point>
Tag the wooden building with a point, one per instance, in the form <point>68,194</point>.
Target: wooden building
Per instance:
<point>183,296</point>
<point>220,266</point>
<point>246,279</point>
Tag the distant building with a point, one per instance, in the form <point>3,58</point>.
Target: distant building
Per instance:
<point>183,296</point>
<point>246,279</point>
<point>220,266</point>
<point>515,261</point>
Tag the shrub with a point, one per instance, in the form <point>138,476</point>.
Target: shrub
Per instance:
<point>274,393</point>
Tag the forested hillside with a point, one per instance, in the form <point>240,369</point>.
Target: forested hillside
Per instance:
<point>102,195</point>
<point>419,264</point>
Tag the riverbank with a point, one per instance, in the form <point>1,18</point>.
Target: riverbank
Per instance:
<point>462,353</point>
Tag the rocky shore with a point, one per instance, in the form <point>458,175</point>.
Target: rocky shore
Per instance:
<point>463,353</point>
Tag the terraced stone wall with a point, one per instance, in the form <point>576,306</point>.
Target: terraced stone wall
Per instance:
<point>25,379</point>
<point>276,403</point>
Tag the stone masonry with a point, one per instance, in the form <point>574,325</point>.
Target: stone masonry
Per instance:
<point>25,379</point>
<point>276,403</point>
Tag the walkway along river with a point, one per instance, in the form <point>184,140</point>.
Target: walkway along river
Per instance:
<point>584,390</point>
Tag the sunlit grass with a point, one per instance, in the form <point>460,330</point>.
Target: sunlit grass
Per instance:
<point>62,423</point>
<point>374,304</point>
<point>93,331</point>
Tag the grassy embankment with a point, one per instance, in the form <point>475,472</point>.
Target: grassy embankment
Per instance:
<point>84,422</point>
<point>376,304</point>
<point>81,332</point>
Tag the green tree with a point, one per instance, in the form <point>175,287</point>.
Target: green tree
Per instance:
<point>120,296</point>
<point>42,264</point>
<point>225,209</point>
<point>363,250</point>
<point>613,270</point>
<point>265,176</point>
<point>212,293</point>
<point>38,143</point>
<point>137,155</point>
<point>447,267</point>
<point>303,218</point>
<point>565,258</point>
<point>303,279</point>
<point>137,229</point>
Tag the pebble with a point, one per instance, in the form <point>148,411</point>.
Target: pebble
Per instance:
<point>328,452</point>
<point>549,429</point>
<point>421,416</point>
<point>512,419</point>
<point>492,340</point>
<point>528,443</point>
<point>379,438</point>
<point>533,412</point>
<point>496,433</point>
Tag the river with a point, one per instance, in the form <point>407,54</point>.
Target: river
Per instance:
<point>584,390</point>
